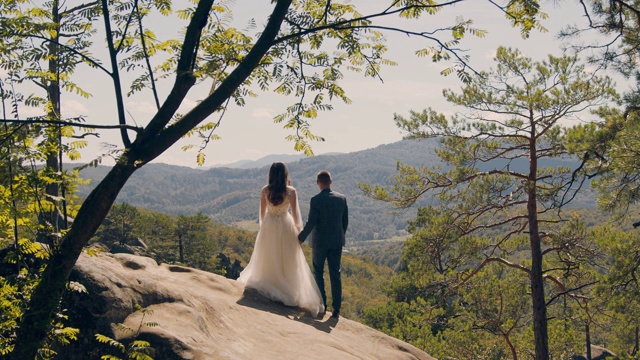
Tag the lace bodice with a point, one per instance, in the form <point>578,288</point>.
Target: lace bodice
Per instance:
<point>278,209</point>
<point>290,202</point>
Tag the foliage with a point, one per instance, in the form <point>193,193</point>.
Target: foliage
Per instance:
<point>16,287</point>
<point>362,285</point>
<point>385,252</point>
<point>136,349</point>
<point>206,243</point>
<point>287,55</point>
<point>514,112</point>
<point>608,145</point>
<point>38,48</point>
<point>618,290</point>
<point>32,208</point>
<point>192,241</point>
<point>118,225</point>
<point>158,231</point>
<point>24,208</point>
<point>608,148</point>
<point>617,22</point>
<point>195,251</point>
<point>12,308</point>
<point>26,203</point>
<point>228,195</point>
<point>463,324</point>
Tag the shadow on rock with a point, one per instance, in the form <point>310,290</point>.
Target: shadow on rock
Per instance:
<point>252,298</point>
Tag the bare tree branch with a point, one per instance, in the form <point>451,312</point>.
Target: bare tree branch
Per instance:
<point>72,123</point>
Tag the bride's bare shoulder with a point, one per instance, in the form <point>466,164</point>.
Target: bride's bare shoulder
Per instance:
<point>291,190</point>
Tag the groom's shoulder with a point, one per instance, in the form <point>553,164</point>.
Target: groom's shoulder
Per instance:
<point>337,194</point>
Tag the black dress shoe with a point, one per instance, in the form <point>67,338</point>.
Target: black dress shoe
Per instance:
<point>335,314</point>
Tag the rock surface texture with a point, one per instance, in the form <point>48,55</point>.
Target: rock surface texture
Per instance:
<point>200,315</point>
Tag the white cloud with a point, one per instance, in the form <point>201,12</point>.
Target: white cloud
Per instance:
<point>141,107</point>
<point>73,108</point>
<point>262,113</point>
<point>187,105</point>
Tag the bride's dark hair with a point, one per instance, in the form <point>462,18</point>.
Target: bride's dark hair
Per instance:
<point>278,180</point>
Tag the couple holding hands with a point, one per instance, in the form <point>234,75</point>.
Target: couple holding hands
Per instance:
<point>278,268</point>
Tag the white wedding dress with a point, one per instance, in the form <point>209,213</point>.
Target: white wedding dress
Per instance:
<point>278,268</point>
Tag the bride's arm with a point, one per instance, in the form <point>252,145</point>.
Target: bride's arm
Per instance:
<point>263,203</point>
<point>295,209</point>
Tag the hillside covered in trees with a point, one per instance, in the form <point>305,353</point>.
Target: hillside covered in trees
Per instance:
<point>230,195</point>
<point>198,242</point>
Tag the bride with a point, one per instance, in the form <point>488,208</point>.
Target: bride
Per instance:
<point>278,268</point>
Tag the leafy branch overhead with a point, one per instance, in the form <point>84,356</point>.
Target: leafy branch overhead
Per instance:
<point>295,63</point>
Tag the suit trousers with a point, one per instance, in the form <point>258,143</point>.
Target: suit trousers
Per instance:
<point>333,258</point>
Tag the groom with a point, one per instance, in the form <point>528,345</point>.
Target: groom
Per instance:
<point>327,223</point>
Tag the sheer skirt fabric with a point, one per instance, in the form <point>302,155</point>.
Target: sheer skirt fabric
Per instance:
<point>278,268</point>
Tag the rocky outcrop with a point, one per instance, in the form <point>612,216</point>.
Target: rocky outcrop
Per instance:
<point>597,353</point>
<point>200,315</point>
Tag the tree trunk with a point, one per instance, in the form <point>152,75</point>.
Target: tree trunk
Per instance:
<point>636,348</point>
<point>45,300</point>
<point>540,331</point>
<point>181,249</point>
<point>588,340</point>
<point>52,191</point>
<point>537,296</point>
<point>153,141</point>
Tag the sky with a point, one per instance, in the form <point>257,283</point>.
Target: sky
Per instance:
<point>249,133</point>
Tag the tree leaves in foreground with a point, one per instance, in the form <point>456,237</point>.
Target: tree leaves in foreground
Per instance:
<point>609,145</point>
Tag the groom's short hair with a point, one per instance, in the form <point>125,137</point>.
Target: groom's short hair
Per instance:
<point>324,177</point>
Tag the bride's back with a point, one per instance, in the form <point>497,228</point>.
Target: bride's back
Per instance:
<point>282,207</point>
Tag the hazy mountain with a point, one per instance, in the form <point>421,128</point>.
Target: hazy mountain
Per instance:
<point>267,160</point>
<point>230,195</point>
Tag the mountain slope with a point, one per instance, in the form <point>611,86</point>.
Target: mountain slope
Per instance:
<point>267,160</point>
<point>231,195</point>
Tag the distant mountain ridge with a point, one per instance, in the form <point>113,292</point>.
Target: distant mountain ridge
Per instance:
<point>230,195</point>
<point>264,161</point>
